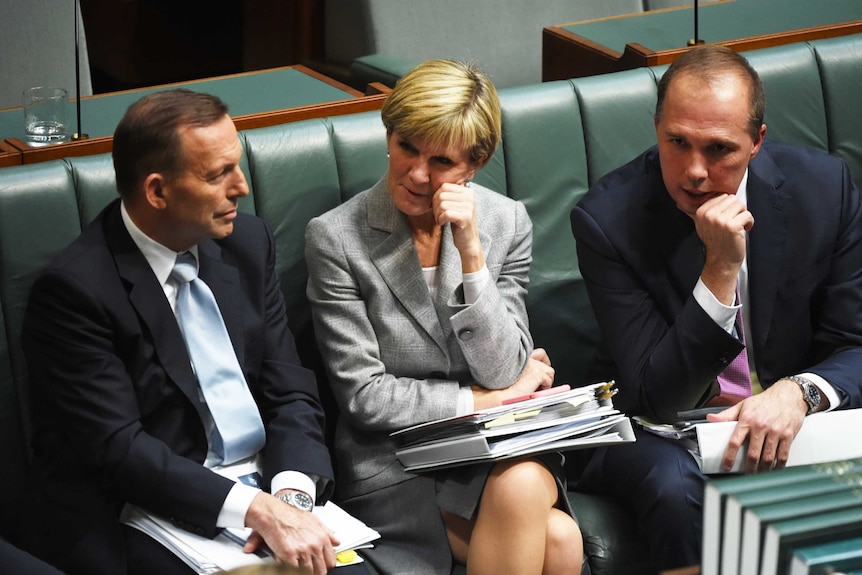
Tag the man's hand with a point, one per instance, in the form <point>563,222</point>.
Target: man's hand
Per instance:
<point>295,537</point>
<point>457,205</point>
<point>770,421</point>
<point>721,223</point>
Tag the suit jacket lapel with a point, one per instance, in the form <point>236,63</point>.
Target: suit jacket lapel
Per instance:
<point>768,239</point>
<point>223,280</point>
<point>395,258</point>
<point>148,299</point>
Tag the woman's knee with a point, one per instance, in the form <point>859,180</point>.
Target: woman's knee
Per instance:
<point>522,479</point>
<point>564,544</point>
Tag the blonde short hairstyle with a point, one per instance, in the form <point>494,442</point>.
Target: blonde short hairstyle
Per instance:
<point>448,104</point>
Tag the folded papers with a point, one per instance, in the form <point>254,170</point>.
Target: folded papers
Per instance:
<point>823,437</point>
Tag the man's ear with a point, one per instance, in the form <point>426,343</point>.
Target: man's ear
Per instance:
<point>759,142</point>
<point>155,191</point>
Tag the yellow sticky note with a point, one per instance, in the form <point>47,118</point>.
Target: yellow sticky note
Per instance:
<point>504,419</point>
<point>346,557</point>
<point>527,414</point>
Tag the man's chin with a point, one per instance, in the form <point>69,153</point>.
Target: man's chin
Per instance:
<point>223,231</point>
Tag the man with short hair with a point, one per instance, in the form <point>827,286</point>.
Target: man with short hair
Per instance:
<point>718,263</point>
<point>124,411</point>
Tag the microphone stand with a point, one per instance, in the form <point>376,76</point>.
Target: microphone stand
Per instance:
<point>79,135</point>
<point>696,40</point>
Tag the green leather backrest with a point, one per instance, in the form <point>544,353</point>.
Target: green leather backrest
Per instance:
<point>841,76</point>
<point>546,165</point>
<point>618,118</point>
<point>38,216</point>
<point>94,183</point>
<point>359,142</point>
<point>295,178</point>
<point>795,109</point>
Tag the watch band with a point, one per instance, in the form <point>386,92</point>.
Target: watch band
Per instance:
<point>297,499</point>
<point>810,393</point>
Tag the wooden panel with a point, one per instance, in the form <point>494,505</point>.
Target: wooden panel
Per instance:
<point>566,54</point>
<point>9,155</point>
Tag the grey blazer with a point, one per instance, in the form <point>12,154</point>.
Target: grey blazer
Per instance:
<point>395,357</point>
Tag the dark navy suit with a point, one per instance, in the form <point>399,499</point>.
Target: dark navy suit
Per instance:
<point>641,257</point>
<point>117,413</point>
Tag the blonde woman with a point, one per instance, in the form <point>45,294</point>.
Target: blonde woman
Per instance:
<point>418,292</point>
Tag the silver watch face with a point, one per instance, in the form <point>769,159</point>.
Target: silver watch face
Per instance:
<point>812,396</point>
<point>297,499</point>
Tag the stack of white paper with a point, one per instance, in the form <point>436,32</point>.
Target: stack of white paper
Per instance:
<point>826,436</point>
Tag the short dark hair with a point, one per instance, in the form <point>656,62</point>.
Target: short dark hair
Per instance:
<point>711,62</point>
<point>147,138</point>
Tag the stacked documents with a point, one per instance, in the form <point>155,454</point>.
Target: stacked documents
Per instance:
<point>565,419</point>
<point>225,551</point>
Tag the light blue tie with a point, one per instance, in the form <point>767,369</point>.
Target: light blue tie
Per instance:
<point>238,430</point>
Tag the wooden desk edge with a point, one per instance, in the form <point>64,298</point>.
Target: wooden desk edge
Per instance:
<point>375,88</point>
<point>568,55</point>
<point>327,109</point>
<point>190,84</point>
<point>21,153</point>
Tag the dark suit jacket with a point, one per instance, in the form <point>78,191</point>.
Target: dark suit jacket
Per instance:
<point>115,402</point>
<point>18,562</point>
<point>640,258</point>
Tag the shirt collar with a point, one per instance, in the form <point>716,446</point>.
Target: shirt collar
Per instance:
<point>742,192</point>
<point>160,258</point>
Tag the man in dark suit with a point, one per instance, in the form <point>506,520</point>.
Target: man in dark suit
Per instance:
<point>119,414</point>
<point>673,245</point>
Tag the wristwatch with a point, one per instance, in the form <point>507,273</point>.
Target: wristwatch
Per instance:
<point>810,393</point>
<point>297,499</point>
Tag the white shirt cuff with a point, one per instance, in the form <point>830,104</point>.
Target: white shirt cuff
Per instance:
<point>724,316</point>
<point>240,496</point>
<point>474,283</point>
<point>825,388</point>
<point>236,505</point>
<point>294,480</point>
<point>465,402</point>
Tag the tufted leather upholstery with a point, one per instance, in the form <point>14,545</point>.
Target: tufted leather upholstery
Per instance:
<point>558,138</point>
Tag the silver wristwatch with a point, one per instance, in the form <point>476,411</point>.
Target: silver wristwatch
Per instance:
<point>810,393</point>
<point>297,499</point>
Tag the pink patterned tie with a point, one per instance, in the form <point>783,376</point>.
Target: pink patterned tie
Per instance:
<point>735,380</point>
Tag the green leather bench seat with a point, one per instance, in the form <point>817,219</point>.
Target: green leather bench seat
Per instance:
<point>558,138</point>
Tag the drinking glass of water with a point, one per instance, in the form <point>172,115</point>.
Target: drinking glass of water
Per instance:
<point>46,116</point>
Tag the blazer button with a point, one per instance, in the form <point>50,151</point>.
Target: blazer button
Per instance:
<point>723,360</point>
<point>466,335</point>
